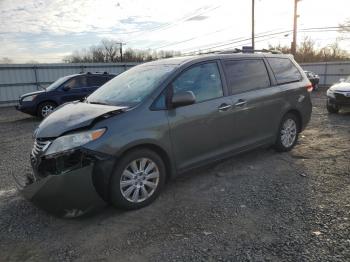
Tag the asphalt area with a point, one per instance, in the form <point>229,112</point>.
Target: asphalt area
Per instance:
<point>259,206</point>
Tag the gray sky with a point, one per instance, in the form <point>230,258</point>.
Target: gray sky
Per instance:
<point>48,30</point>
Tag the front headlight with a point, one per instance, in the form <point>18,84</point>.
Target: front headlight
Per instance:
<point>68,142</point>
<point>29,98</point>
<point>330,93</point>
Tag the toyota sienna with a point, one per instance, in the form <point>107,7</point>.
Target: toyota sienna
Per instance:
<point>159,119</point>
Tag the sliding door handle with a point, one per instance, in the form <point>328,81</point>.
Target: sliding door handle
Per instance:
<point>241,102</point>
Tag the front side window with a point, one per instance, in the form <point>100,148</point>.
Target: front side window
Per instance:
<point>57,83</point>
<point>246,75</point>
<point>203,80</point>
<point>284,70</point>
<point>76,82</point>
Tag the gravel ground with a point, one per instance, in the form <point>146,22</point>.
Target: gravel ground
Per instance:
<point>260,206</point>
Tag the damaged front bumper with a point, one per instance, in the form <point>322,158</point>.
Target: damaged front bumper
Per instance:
<point>68,185</point>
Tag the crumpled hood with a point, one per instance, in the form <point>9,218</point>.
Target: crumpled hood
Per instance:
<point>72,116</point>
<point>344,86</point>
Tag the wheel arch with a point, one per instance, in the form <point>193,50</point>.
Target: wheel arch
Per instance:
<point>163,154</point>
<point>299,117</point>
<point>46,101</point>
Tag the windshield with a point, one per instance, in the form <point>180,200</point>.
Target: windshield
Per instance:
<point>132,86</point>
<point>57,83</point>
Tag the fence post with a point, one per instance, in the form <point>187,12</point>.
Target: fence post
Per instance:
<point>36,77</point>
<point>325,74</point>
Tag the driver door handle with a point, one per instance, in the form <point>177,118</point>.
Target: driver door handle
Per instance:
<point>241,102</point>
<point>224,107</point>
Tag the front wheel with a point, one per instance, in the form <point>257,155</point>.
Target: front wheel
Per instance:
<point>332,109</point>
<point>45,109</point>
<point>137,180</point>
<point>288,133</point>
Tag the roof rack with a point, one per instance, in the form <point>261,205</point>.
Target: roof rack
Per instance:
<point>104,73</point>
<point>237,50</point>
<point>97,72</point>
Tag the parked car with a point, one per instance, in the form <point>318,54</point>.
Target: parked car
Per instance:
<point>314,79</point>
<point>160,119</point>
<point>65,89</point>
<point>338,96</point>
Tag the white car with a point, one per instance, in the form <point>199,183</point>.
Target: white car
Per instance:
<point>338,96</point>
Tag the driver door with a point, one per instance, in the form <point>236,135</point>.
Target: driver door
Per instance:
<point>75,89</point>
<point>195,129</point>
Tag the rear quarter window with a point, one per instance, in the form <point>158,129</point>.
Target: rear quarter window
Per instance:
<point>98,80</point>
<point>284,70</point>
<point>246,75</point>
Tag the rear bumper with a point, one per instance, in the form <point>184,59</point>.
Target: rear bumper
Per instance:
<point>305,109</point>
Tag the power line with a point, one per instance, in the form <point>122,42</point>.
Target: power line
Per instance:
<point>222,42</point>
<point>234,41</point>
<point>191,39</point>
<point>244,40</point>
<point>171,24</point>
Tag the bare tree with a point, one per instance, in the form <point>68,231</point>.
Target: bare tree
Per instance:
<point>111,49</point>
<point>108,52</point>
<point>308,53</point>
<point>345,27</point>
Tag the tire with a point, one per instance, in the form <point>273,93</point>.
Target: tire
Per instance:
<point>131,195</point>
<point>46,108</point>
<point>288,133</point>
<point>332,109</point>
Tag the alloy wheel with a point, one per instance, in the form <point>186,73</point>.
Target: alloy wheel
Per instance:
<point>288,132</point>
<point>46,110</point>
<point>139,180</point>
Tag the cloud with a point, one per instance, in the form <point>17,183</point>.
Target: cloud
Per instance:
<point>38,27</point>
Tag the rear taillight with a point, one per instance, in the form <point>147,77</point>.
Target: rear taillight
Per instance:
<point>309,87</point>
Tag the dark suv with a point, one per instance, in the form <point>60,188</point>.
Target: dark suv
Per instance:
<point>162,118</point>
<point>65,89</point>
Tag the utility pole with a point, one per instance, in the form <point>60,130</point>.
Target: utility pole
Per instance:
<point>295,20</point>
<point>121,50</point>
<point>253,24</point>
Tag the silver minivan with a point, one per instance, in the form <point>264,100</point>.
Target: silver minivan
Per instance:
<point>160,119</point>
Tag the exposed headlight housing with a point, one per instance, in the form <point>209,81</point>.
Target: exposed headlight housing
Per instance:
<point>29,98</point>
<point>330,93</point>
<point>71,141</point>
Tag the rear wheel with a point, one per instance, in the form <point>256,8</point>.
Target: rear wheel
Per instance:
<point>333,109</point>
<point>288,133</point>
<point>45,109</point>
<point>137,180</point>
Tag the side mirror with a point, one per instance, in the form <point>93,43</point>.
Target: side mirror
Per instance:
<point>341,80</point>
<point>65,88</point>
<point>183,98</point>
